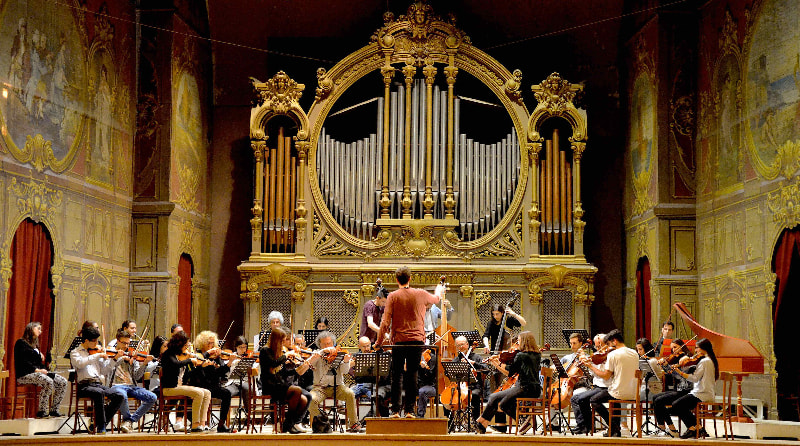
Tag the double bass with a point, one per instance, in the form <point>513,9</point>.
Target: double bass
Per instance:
<point>443,334</point>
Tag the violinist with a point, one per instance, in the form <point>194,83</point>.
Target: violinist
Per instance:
<point>526,366</point>
<point>621,366</point>
<point>271,357</point>
<point>237,385</point>
<point>178,355</point>
<point>372,314</point>
<point>580,401</point>
<point>29,368</point>
<point>213,375</point>
<point>475,387</point>
<point>705,377</point>
<point>130,327</point>
<point>306,380</point>
<point>126,372</point>
<point>90,363</point>
<point>674,391</point>
<point>157,349</point>
<point>652,384</point>
<point>324,377</point>
<point>667,332</point>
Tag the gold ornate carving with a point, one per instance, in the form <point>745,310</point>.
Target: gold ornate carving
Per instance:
<point>555,94</point>
<point>785,205</point>
<point>466,291</point>
<point>512,85</point>
<point>188,183</point>
<point>335,278</point>
<point>279,93</point>
<point>188,235</point>
<point>560,277</point>
<point>729,34</point>
<point>481,298</point>
<point>498,279</point>
<point>367,290</point>
<point>324,85</point>
<point>274,275</point>
<point>352,297</point>
<point>507,245</point>
<point>36,200</point>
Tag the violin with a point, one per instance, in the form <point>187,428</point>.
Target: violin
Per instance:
<point>601,356</point>
<point>426,356</point>
<point>690,361</point>
<point>330,357</point>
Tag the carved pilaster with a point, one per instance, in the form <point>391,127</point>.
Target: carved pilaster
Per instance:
<point>301,211</point>
<point>450,72</point>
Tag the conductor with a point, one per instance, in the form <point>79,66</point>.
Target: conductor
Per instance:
<point>404,318</point>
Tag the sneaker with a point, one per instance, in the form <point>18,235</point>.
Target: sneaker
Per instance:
<point>690,433</point>
<point>394,415</point>
<point>42,414</point>
<point>56,413</point>
<point>198,430</point>
<point>301,428</point>
<point>126,427</point>
<point>178,426</point>
<point>410,415</point>
<point>221,428</point>
<point>355,428</point>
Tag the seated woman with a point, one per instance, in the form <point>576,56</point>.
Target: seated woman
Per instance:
<point>173,363</point>
<point>237,385</point>
<point>526,365</point>
<point>651,383</point>
<point>272,358</point>
<point>211,378</point>
<point>29,369</point>
<point>675,387</point>
<point>704,377</point>
<point>157,349</point>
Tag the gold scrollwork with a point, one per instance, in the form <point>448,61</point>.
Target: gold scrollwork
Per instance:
<point>785,205</point>
<point>482,298</point>
<point>275,275</point>
<point>367,290</point>
<point>36,200</point>
<point>555,93</point>
<point>352,297</point>
<point>278,93</point>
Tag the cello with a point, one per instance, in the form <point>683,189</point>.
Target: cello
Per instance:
<point>575,371</point>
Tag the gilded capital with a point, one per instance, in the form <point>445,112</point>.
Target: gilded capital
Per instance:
<point>466,291</point>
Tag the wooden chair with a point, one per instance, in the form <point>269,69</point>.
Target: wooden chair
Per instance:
<point>718,411</point>
<point>166,404</point>
<point>263,406</point>
<point>530,408</point>
<point>623,408</point>
<point>6,402</point>
<point>26,397</point>
<point>80,408</point>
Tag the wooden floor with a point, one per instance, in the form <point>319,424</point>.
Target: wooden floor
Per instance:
<point>214,439</point>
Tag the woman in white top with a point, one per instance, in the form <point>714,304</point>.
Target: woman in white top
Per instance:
<point>705,377</point>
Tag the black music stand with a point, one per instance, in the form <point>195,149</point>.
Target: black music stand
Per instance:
<point>263,338</point>
<point>431,338</point>
<point>334,370</point>
<point>310,336</point>
<point>560,373</point>
<point>240,372</point>
<point>473,337</point>
<point>458,372</point>
<point>76,341</point>
<point>376,365</point>
<point>133,344</point>
<point>648,373</point>
<point>567,332</point>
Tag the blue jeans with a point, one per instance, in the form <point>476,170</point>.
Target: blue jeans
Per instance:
<point>146,398</point>
<point>425,394</point>
<point>362,389</point>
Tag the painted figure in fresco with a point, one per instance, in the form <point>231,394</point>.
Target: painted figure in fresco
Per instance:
<point>36,89</point>
<point>59,81</point>
<point>20,68</point>
<point>102,109</point>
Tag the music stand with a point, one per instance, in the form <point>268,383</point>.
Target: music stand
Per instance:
<point>473,337</point>
<point>431,338</point>
<point>459,372</point>
<point>560,373</point>
<point>73,345</point>
<point>133,344</point>
<point>261,339</point>
<point>240,372</point>
<point>334,370</point>
<point>567,332</point>
<point>648,373</point>
<point>310,336</point>
<point>376,365</point>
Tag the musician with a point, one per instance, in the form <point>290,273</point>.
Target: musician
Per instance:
<point>271,357</point>
<point>426,380</point>
<point>372,314</point>
<point>667,332</point>
<point>91,368</point>
<point>87,324</point>
<point>493,329</point>
<point>237,385</point>
<point>322,323</point>
<point>126,371</point>
<point>580,402</point>
<point>705,378</point>
<point>306,380</point>
<point>325,377</point>
<point>213,376</point>
<point>173,365</point>
<point>651,382</point>
<point>526,366</point>
<point>476,387</point>
<point>404,319</point>
<point>156,350</point>
<point>175,328</point>
<point>583,384</point>
<point>433,315</point>
<point>676,389</point>
<point>29,368</point>
<point>275,319</point>
<point>130,327</point>
<point>621,365</point>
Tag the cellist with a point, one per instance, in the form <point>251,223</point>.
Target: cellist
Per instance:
<point>475,388</point>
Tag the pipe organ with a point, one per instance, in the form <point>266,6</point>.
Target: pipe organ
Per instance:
<point>484,175</point>
<point>444,168</point>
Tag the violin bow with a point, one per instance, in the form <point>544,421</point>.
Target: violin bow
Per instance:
<point>226,333</point>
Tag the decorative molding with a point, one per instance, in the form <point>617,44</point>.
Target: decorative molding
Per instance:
<point>352,297</point>
<point>482,298</point>
<point>560,277</point>
<point>279,93</point>
<point>36,200</point>
<point>785,205</point>
<point>555,94</point>
<point>275,275</point>
<point>466,291</point>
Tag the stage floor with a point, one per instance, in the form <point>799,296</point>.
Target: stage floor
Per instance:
<point>454,439</point>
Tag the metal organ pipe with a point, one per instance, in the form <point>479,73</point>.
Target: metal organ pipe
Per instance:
<point>555,186</point>
<point>484,176</point>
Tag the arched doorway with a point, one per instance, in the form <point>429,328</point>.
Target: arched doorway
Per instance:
<point>30,292</point>
<point>185,274</point>
<point>785,307</point>
<point>643,298</point>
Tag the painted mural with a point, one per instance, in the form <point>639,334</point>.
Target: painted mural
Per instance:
<point>772,94</point>
<point>102,135</point>
<point>44,81</point>
<point>729,128</point>
<point>642,138</point>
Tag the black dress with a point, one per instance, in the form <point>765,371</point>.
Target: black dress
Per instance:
<point>271,384</point>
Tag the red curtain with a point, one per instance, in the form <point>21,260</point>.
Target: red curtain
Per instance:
<point>643,299</point>
<point>30,297</point>
<point>185,293</point>
<point>788,246</point>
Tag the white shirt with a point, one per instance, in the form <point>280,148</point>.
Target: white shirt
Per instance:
<point>597,380</point>
<point>321,376</point>
<point>704,379</point>
<point>623,363</point>
<point>88,366</point>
